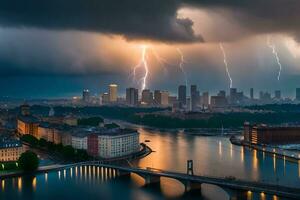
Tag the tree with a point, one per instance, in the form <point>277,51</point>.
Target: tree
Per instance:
<point>68,152</point>
<point>28,161</point>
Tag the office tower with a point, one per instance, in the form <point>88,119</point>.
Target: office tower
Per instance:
<point>132,96</point>
<point>277,94</point>
<point>298,94</point>
<point>233,96</point>
<point>182,94</point>
<point>265,97</point>
<point>157,97</point>
<point>164,98</point>
<point>105,98</point>
<point>113,92</point>
<point>194,97</point>
<point>86,96</point>
<point>205,98</point>
<point>251,93</point>
<point>147,97</point>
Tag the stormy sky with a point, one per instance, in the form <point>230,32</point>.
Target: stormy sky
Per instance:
<point>57,48</point>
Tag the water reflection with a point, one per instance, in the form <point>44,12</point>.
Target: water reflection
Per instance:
<point>213,156</point>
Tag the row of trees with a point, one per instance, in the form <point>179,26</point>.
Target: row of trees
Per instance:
<point>230,120</point>
<point>67,153</point>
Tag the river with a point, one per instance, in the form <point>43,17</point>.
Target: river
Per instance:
<point>214,156</point>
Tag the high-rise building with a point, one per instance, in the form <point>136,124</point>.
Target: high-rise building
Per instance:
<point>277,94</point>
<point>298,94</point>
<point>182,94</point>
<point>147,97</point>
<point>86,96</point>
<point>157,97</point>
<point>205,99</point>
<point>113,92</point>
<point>233,96</point>
<point>164,98</point>
<point>132,96</point>
<point>251,93</point>
<point>194,97</point>
<point>105,98</point>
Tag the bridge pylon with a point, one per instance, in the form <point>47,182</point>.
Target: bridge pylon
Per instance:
<point>190,167</point>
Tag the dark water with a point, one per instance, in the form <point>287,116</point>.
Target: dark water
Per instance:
<point>211,155</point>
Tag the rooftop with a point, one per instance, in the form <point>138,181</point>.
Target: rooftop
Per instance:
<point>28,119</point>
<point>6,142</point>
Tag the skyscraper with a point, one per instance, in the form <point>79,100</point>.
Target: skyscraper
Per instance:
<point>164,98</point>
<point>132,96</point>
<point>86,96</point>
<point>251,93</point>
<point>147,97</point>
<point>182,94</point>
<point>298,94</point>
<point>277,94</point>
<point>113,92</point>
<point>205,98</point>
<point>157,97</point>
<point>194,97</point>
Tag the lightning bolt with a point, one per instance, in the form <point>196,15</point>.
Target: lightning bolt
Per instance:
<point>181,65</point>
<point>272,46</point>
<point>144,64</point>
<point>225,63</point>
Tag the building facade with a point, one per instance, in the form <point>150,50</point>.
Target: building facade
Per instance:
<point>10,149</point>
<point>263,134</point>
<point>113,93</point>
<point>132,95</point>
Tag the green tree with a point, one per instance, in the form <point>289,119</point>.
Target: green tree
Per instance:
<point>28,161</point>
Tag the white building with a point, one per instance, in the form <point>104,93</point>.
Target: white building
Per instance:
<point>121,143</point>
<point>79,141</point>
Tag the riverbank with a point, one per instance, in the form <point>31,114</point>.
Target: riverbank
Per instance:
<point>144,151</point>
<point>269,150</point>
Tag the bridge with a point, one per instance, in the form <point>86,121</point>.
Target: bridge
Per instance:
<point>235,188</point>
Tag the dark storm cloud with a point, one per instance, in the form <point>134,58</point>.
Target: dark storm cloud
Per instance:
<point>260,16</point>
<point>135,19</point>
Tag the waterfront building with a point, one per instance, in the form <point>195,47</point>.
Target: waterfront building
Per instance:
<point>182,94</point>
<point>113,93</point>
<point>86,96</point>
<point>264,134</point>
<point>118,143</point>
<point>132,96</point>
<point>10,149</point>
<point>147,97</point>
<point>92,144</point>
<point>79,140</point>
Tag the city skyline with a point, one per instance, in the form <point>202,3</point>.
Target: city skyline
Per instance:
<point>180,45</point>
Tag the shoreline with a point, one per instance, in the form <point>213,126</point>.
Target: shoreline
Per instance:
<point>145,151</point>
<point>284,154</point>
